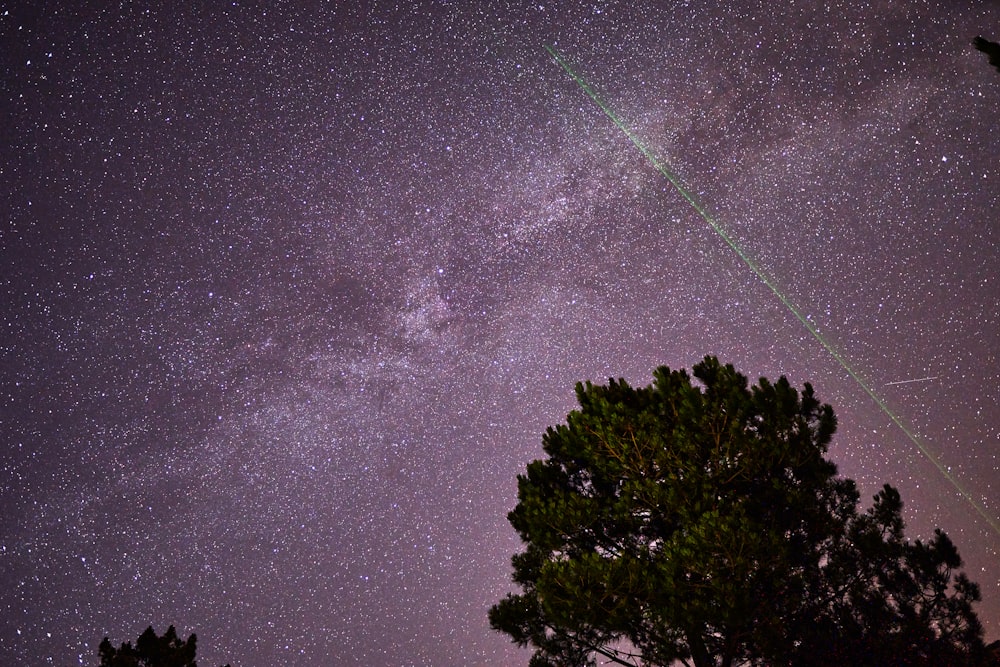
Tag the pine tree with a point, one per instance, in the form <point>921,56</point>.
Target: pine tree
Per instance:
<point>151,650</point>
<point>703,524</point>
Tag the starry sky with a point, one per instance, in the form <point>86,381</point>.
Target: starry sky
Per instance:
<point>290,290</point>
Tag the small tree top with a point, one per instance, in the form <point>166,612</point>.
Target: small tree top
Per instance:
<point>151,650</point>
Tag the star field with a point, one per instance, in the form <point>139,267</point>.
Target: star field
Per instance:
<point>290,291</point>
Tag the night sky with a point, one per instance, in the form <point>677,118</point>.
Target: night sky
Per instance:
<point>290,291</point>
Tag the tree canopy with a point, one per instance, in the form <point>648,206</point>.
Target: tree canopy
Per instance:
<point>701,523</point>
<point>151,650</point>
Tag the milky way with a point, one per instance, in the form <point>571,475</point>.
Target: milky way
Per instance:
<point>290,291</point>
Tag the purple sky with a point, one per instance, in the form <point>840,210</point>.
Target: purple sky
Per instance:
<point>289,291</point>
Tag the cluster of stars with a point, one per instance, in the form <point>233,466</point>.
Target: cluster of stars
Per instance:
<point>290,294</point>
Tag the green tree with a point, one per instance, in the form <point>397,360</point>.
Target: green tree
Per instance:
<point>702,524</point>
<point>151,650</point>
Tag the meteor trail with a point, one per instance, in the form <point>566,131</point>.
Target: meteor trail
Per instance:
<point>760,273</point>
<point>889,384</point>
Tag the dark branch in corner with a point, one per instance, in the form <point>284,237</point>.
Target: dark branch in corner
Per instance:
<point>991,49</point>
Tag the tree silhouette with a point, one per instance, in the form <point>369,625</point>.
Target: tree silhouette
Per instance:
<point>991,49</point>
<point>704,525</point>
<point>151,650</point>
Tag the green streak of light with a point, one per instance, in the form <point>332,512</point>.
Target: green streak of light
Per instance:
<point>759,272</point>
